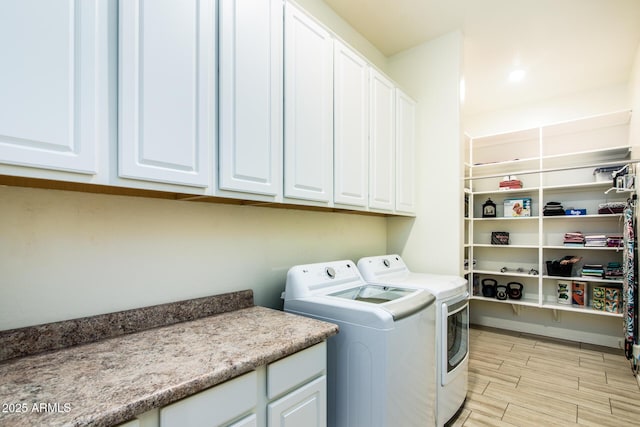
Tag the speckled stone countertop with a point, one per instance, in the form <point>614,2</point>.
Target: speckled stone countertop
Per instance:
<point>110,381</point>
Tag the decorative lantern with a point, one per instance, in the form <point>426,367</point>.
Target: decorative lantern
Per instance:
<point>489,209</point>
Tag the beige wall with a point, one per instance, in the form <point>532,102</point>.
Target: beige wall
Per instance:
<point>65,255</point>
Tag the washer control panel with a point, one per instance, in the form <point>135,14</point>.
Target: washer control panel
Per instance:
<point>324,277</point>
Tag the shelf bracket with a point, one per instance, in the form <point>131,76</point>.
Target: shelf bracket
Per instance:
<point>620,190</point>
<point>556,315</point>
<point>516,309</point>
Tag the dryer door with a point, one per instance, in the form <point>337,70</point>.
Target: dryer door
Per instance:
<point>456,335</point>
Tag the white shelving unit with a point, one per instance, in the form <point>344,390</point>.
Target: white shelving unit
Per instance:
<point>555,163</point>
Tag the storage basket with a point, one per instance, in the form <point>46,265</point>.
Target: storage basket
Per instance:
<point>568,266</point>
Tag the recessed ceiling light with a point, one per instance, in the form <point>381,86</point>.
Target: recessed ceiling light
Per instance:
<point>516,75</point>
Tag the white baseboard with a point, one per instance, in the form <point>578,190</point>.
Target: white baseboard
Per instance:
<point>586,328</point>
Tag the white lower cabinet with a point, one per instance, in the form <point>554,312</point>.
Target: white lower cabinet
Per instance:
<point>248,421</point>
<point>305,407</point>
<point>216,406</point>
<point>290,392</point>
<point>297,389</point>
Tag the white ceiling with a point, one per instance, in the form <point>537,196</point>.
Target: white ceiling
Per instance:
<point>565,46</point>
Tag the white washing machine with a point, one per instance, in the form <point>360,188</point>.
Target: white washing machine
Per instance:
<point>452,324</point>
<point>380,372</point>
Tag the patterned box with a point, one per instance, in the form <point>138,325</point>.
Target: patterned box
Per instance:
<point>613,294</point>
<point>612,306</point>
<point>577,294</point>
<point>598,292</point>
<point>598,304</point>
<point>564,292</point>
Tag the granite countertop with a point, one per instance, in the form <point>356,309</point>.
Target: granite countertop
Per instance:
<point>111,380</point>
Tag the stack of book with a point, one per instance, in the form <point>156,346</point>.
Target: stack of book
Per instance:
<point>615,240</point>
<point>513,184</point>
<point>613,271</point>
<point>595,240</point>
<point>575,238</point>
<point>593,270</point>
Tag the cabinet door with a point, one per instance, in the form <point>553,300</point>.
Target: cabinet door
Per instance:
<point>216,406</point>
<point>308,111</point>
<point>382,142</point>
<point>405,152</point>
<point>250,145</point>
<point>167,81</point>
<point>351,127</point>
<point>305,407</point>
<point>53,69</point>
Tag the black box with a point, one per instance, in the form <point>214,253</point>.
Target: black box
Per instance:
<point>499,237</point>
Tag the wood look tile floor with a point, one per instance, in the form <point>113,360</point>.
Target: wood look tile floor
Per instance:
<point>517,379</point>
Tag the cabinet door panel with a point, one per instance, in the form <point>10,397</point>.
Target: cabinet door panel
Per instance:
<point>351,126</point>
<point>308,108</point>
<point>167,69</point>
<point>53,62</point>
<point>251,96</point>
<point>215,406</point>
<point>405,153</point>
<point>305,407</point>
<point>382,143</point>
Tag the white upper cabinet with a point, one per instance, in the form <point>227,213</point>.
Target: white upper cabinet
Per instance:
<point>308,108</point>
<point>381,142</point>
<point>53,68</point>
<point>250,90</point>
<point>351,127</point>
<point>167,76</point>
<point>405,153</point>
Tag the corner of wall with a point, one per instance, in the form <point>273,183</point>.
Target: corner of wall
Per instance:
<point>430,73</point>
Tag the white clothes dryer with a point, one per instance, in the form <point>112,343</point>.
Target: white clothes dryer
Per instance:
<point>452,324</point>
<point>379,373</point>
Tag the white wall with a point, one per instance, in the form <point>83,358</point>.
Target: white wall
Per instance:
<point>431,74</point>
<point>575,106</point>
<point>65,255</point>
